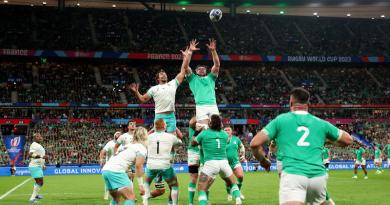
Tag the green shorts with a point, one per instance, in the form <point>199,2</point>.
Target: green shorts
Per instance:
<point>170,120</point>
<point>116,180</point>
<point>166,174</point>
<point>36,172</point>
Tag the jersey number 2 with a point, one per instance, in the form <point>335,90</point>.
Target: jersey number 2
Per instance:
<point>301,142</point>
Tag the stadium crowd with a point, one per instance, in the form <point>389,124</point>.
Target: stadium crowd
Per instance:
<point>127,30</point>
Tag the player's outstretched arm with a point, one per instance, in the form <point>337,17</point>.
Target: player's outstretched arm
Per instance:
<point>139,171</point>
<point>134,88</point>
<point>345,139</point>
<point>257,149</point>
<point>213,49</point>
<point>187,55</point>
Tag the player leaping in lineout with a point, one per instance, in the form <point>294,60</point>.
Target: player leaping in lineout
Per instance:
<point>163,94</point>
<point>202,84</point>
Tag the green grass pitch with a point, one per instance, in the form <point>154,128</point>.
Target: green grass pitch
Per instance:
<point>259,188</point>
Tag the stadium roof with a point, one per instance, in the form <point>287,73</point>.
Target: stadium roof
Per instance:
<point>331,8</point>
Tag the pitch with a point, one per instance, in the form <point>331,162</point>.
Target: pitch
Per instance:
<point>259,188</point>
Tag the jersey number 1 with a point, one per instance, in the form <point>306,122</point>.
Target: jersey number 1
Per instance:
<point>158,147</point>
<point>218,144</point>
<point>301,142</point>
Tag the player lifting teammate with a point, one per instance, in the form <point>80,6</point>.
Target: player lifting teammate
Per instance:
<point>213,142</point>
<point>300,140</point>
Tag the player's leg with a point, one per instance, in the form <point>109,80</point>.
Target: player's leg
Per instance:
<point>239,173</point>
<point>316,190</point>
<point>193,171</point>
<point>37,175</point>
<point>127,194</point>
<point>106,193</point>
<point>357,164</point>
<point>227,174</point>
<point>118,183</point>
<point>116,197</point>
<point>204,184</point>
<point>150,175</point>
<point>159,187</point>
<point>292,189</point>
<point>170,177</point>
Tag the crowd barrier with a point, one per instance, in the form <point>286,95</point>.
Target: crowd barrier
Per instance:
<point>179,168</point>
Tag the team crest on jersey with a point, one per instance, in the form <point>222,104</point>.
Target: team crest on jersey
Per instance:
<point>15,141</point>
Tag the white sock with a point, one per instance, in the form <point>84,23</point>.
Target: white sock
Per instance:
<point>106,193</point>
<point>147,193</point>
<point>36,190</point>
<point>175,195</point>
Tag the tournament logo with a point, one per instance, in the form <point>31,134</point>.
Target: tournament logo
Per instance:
<point>15,141</point>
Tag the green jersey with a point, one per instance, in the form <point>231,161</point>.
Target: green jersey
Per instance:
<point>377,154</point>
<point>203,88</point>
<point>192,148</point>
<point>359,153</point>
<point>232,150</point>
<point>213,144</point>
<point>387,150</point>
<point>325,153</point>
<point>300,141</point>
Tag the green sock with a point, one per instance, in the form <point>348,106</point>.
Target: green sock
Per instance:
<point>228,188</point>
<point>202,198</point>
<point>239,184</point>
<point>191,192</point>
<point>327,197</point>
<point>207,194</point>
<point>129,202</point>
<point>236,191</point>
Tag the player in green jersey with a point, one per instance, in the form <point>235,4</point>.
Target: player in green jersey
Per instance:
<point>213,142</point>
<point>235,151</point>
<point>300,140</point>
<point>360,161</point>
<point>386,150</point>
<point>378,160</point>
<point>202,85</point>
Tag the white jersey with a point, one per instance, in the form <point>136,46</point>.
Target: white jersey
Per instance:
<point>125,159</point>
<point>164,96</point>
<point>37,149</point>
<point>125,139</point>
<point>159,150</point>
<point>109,149</point>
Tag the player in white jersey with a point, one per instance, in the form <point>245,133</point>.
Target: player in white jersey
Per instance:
<point>105,154</point>
<point>160,145</point>
<point>114,171</point>
<point>163,94</point>
<point>37,155</point>
<point>125,138</point>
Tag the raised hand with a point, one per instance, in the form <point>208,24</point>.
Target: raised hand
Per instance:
<point>185,52</point>
<point>193,45</point>
<point>134,87</point>
<point>212,45</point>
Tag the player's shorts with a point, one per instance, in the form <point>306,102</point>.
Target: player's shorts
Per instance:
<point>36,172</point>
<point>326,161</point>
<point>279,166</point>
<point>116,180</point>
<point>193,158</point>
<point>214,167</point>
<point>234,164</point>
<point>363,162</point>
<point>204,112</point>
<point>301,188</point>
<point>378,160</point>
<point>169,119</point>
<point>166,174</point>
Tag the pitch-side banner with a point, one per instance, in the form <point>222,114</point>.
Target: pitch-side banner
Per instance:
<point>15,147</point>
<point>196,57</point>
<point>179,168</point>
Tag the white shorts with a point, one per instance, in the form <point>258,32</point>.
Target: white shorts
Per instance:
<point>237,165</point>
<point>193,158</point>
<point>214,167</point>
<point>326,161</point>
<point>377,160</point>
<point>204,112</point>
<point>363,162</point>
<point>300,188</point>
<point>279,166</point>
